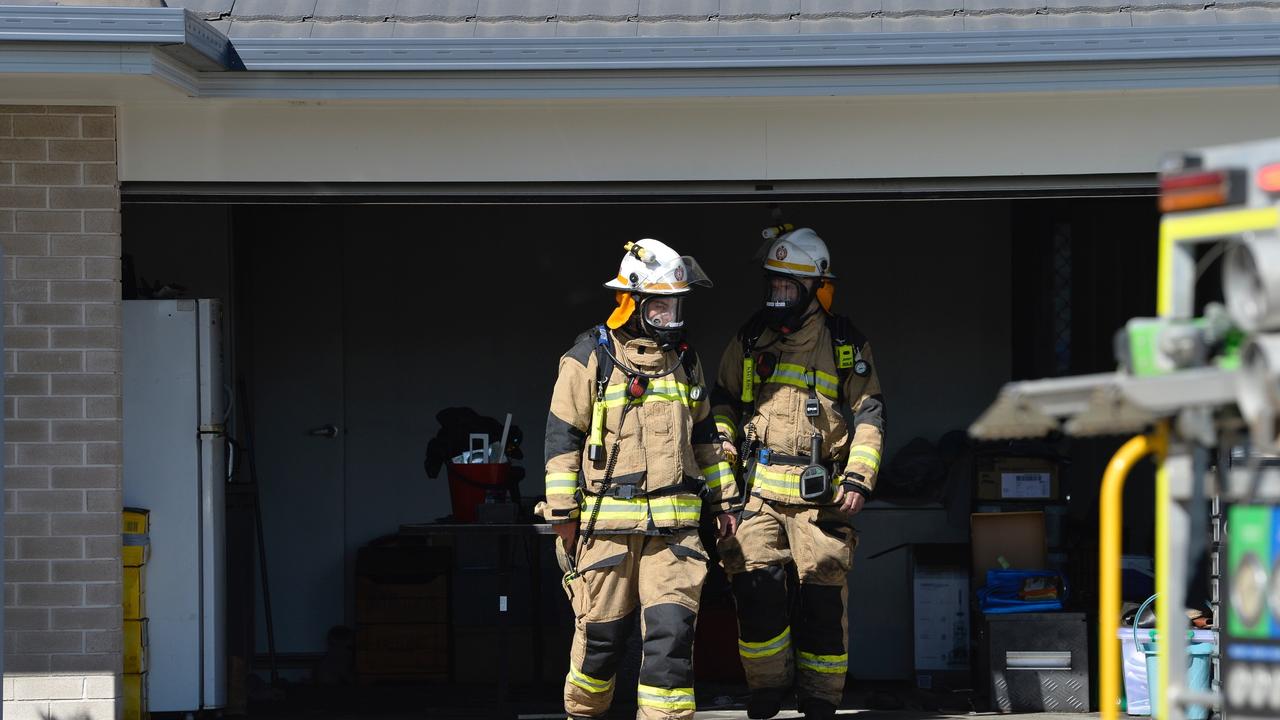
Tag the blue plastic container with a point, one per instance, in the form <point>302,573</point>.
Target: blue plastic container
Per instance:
<point>1199,666</point>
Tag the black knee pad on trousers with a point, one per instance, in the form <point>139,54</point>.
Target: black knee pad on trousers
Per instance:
<point>605,643</point>
<point>761,596</point>
<point>821,627</point>
<point>668,646</point>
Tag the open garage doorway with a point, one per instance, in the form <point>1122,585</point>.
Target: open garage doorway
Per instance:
<point>350,325</point>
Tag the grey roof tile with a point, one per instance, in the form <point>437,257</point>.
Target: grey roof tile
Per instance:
<point>1005,21</point>
<point>516,9</point>
<point>436,9</point>
<point>204,8</point>
<point>354,8</point>
<point>222,26</point>
<point>595,28</point>
<point>678,8</point>
<point>433,29</point>
<point>1153,18</point>
<point>514,29</point>
<point>1114,18</point>
<point>598,9</point>
<point>352,29</point>
<point>677,28</point>
<point>995,6</point>
<point>945,23</point>
<point>1247,15</point>
<point>273,9</point>
<point>730,8</point>
<point>923,8</point>
<point>758,27</point>
<point>268,29</point>
<point>835,26</point>
<point>822,7</point>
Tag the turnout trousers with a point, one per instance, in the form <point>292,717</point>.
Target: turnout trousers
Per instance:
<point>657,577</point>
<point>814,655</point>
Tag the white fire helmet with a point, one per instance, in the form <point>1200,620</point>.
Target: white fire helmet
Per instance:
<point>650,267</point>
<point>799,252</point>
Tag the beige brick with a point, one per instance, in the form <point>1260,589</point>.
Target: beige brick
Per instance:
<point>46,126</point>
<point>50,407</point>
<point>26,338</point>
<point>59,221</point>
<point>102,687</point>
<point>104,501</point>
<point>27,291</point>
<point>19,244</point>
<point>88,619</point>
<point>50,361</point>
<point>86,571</point>
<point>6,221</point>
<point>102,268</point>
<point>103,593</point>
<point>103,454</point>
<point>101,174</point>
<point>26,524</point>
<point>26,664</point>
<point>47,173</point>
<point>26,571</point>
<point>23,109</point>
<point>86,245</point>
<point>85,663</point>
<point>102,362</point>
<point>6,130</point>
<point>101,548</point>
<point>103,640</point>
<point>86,477</point>
<point>25,618</point>
<point>84,338</point>
<point>6,170</point>
<point>50,548</point>
<point>82,524</point>
<point>98,127</point>
<point>24,197</point>
<point>50,595</point>
<point>103,291</point>
<point>27,431</point>
<point>50,268</point>
<point>82,150</point>
<point>84,198</point>
<point>101,221</point>
<point>50,641</point>
<point>101,384</point>
<point>48,688</point>
<point>83,710</point>
<point>23,149</point>
<point>26,478</point>
<point>86,431</point>
<point>10,544</point>
<point>102,315</point>
<point>90,109</point>
<point>51,500</point>
<point>50,454</point>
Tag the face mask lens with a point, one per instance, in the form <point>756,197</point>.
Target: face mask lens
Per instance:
<point>664,312</point>
<point>782,292</point>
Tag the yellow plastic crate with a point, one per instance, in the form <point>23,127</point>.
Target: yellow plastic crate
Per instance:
<point>135,646</point>
<point>136,521</point>
<point>135,697</point>
<point>135,594</point>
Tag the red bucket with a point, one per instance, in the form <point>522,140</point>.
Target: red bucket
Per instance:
<point>469,483</point>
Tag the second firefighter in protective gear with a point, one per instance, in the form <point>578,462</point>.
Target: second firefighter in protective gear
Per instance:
<point>632,458</point>
<point>783,384</point>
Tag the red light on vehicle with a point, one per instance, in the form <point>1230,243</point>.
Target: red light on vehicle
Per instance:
<point>1269,178</point>
<point>1196,190</point>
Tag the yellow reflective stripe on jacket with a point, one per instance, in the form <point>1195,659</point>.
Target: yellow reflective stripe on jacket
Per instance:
<point>658,390</point>
<point>717,474</point>
<point>588,683</point>
<point>768,648</point>
<point>778,481</point>
<point>562,483</point>
<point>665,507</point>
<point>667,699</point>
<point>866,455</point>
<point>799,376</point>
<point>834,664</point>
<point>724,424</point>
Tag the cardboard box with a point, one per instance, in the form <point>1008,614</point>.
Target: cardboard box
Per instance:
<point>1014,540</point>
<point>417,649</point>
<point>1017,478</point>
<point>135,594</point>
<point>401,603</point>
<point>135,697</point>
<point>135,646</point>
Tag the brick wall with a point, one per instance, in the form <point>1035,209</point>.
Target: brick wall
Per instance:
<point>60,230</point>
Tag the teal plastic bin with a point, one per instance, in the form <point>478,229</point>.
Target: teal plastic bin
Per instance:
<point>1200,648</point>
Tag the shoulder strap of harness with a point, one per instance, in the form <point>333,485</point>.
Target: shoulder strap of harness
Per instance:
<point>846,347</point>
<point>604,359</point>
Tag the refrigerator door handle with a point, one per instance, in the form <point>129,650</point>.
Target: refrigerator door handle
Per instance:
<point>328,432</point>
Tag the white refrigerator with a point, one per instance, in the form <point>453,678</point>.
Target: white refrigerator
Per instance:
<point>175,466</point>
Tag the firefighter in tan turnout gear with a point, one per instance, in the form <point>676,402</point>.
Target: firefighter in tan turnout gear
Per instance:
<point>783,384</point>
<point>632,458</point>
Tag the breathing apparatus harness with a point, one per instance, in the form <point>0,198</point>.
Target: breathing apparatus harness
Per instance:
<point>846,347</point>
<point>636,387</point>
